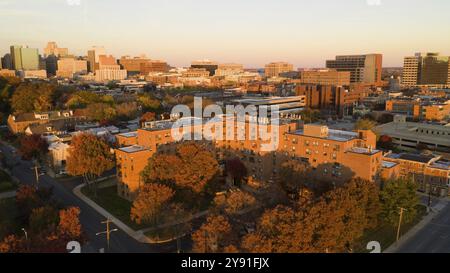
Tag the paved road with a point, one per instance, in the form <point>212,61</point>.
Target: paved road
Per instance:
<point>433,238</point>
<point>90,219</point>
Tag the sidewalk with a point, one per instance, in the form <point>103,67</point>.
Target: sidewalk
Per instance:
<point>138,235</point>
<point>435,210</point>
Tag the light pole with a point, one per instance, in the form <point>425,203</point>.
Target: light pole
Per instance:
<point>26,234</point>
<point>37,174</point>
<point>108,232</point>
<point>400,223</point>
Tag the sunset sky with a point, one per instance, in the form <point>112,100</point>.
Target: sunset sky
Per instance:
<point>252,32</point>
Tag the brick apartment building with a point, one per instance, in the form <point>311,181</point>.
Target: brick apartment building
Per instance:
<point>432,110</point>
<point>334,154</point>
<point>428,171</point>
<point>20,122</point>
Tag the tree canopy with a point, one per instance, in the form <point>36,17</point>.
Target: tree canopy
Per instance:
<point>192,166</point>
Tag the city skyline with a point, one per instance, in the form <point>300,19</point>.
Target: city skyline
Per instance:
<point>259,32</point>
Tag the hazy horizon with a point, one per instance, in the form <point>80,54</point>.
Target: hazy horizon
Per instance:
<point>251,32</point>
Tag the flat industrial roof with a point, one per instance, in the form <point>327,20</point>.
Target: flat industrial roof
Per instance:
<point>133,149</point>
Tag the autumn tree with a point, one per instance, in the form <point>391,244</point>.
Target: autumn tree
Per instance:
<point>69,225</point>
<point>101,112</point>
<point>29,97</point>
<point>149,203</point>
<point>293,177</point>
<point>149,103</point>
<point>396,194</point>
<point>280,230</point>
<point>29,198</point>
<point>43,219</point>
<point>192,167</point>
<point>213,236</point>
<point>147,117</point>
<point>234,202</point>
<point>89,156</point>
<point>332,223</point>
<point>385,142</point>
<point>127,110</point>
<point>7,87</point>
<point>33,147</point>
<point>13,244</point>
<point>236,170</point>
<point>311,115</point>
<point>82,99</point>
<point>367,124</point>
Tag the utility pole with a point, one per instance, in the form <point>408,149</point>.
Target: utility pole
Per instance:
<point>37,175</point>
<point>108,232</point>
<point>400,223</point>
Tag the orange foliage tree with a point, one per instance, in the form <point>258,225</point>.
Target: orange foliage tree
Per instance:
<point>89,156</point>
<point>32,147</point>
<point>213,236</point>
<point>332,223</point>
<point>192,166</point>
<point>235,201</point>
<point>149,202</point>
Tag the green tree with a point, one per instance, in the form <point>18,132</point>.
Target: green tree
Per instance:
<point>29,97</point>
<point>101,112</point>
<point>213,236</point>
<point>396,194</point>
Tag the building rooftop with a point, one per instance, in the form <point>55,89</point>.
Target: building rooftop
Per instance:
<point>129,134</point>
<point>335,135</point>
<point>412,157</point>
<point>133,149</point>
<point>441,164</point>
<point>366,151</point>
<point>388,164</point>
<point>268,100</point>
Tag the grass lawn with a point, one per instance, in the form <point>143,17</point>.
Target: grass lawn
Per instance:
<point>387,234</point>
<point>108,199</point>
<point>6,183</point>
<point>8,214</point>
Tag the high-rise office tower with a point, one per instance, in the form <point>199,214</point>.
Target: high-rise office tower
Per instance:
<point>94,57</point>
<point>426,69</point>
<point>53,49</point>
<point>365,69</point>
<point>24,58</point>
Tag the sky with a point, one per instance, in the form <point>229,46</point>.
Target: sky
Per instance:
<point>253,32</point>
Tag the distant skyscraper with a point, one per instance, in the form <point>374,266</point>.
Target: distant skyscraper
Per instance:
<point>24,58</point>
<point>53,49</point>
<point>275,69</point>
<point>94,57</point>
<point>427,69</point>
<point>364,69</point>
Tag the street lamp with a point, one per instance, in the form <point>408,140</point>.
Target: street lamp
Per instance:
<point>26,234</point>
<point>108,232</point>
